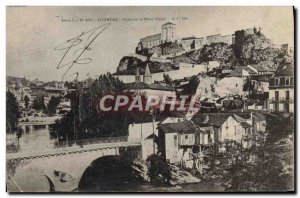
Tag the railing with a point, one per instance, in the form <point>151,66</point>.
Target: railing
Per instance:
<point>106,143</point>
<point>281,100</point>
<point>14,147</point>
<point>88,141</point>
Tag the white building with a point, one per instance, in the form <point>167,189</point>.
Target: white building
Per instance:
<point>230,86</point>
<point>168,34</point>
<point>281,89</point>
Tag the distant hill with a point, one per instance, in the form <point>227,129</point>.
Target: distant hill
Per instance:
<point>10,79</point>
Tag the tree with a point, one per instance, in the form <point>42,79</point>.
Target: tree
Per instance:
<point>86,120</point>
<point>167,79</point>
<point>12,112</point>
<point>39,103</point>
<point>264,166</point>
<point>26,100</point>
<point>63,128</point>
<point>158,170</point>
<point>52,105</point>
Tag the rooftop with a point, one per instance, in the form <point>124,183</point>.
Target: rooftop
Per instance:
<point>245,125</point>
<point>188,38</point>
<point>263,68</point>
<point>211,119</point>
<point>285,70</point>
<point>169,23</point>
<point>143,85</point>
<point>178,127</point>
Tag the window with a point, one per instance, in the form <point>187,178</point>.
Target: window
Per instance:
<point>287,81</point>
<point>276,95</point>
<point>282,82</point>
<point>186,136</point>
<point>175,137</point>
<point>287,95</point>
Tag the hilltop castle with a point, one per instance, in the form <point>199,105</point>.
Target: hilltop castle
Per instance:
<point>168,31</point>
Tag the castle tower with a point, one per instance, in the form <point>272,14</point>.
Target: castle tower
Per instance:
<point>137,76</point>
<point>168,31</point>
<point>147,76</point>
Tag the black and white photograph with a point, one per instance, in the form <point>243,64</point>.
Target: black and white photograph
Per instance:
<point>118,99</point>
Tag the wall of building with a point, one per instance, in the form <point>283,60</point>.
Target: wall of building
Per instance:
<point>171,145</point>
<point>159,93</point>
<point>138,132</point>
<point>168,33</point>
<point>147,148</point>
<point>282,96</point>
<point>127,78</point>
<point>226,39</point>
<point>151,41</point>
<point>187,139</point>
<point>185,70</point>
<point>204,138</point>
<point>187,44</point>
<point>231,85</point>
<point>230,130</point>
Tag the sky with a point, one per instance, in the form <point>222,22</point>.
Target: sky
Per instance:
<point>33,33</point>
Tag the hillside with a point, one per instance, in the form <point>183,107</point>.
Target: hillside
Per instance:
<point>128,65</point>
<point>248,49</point>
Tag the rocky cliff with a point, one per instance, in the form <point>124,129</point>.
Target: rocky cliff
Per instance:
<point>248,49</point>
<point>128,65</point>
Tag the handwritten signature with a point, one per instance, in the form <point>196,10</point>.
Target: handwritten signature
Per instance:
<point>77,46</point>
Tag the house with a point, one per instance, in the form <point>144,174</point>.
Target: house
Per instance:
<point>224,125</point>
<point>172,120</point>
<point>176,139</point>
<point>262,69</point>
<point>205,136</point>
<point>281,89</point>
<point>242,72</point>
<point>146,134</point>
<point>231,126</point>
<point>257,120</point>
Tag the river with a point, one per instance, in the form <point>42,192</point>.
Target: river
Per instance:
<point>117,181</point>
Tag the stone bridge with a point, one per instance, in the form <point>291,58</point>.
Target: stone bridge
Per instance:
<point>58,170</point>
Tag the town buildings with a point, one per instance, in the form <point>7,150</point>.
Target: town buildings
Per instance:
<point>146,86</point>
<point>281,89</point>
<point>176,139</point>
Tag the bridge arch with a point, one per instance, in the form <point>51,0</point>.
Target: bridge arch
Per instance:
<point>104,174</point>
<point>64,169</point>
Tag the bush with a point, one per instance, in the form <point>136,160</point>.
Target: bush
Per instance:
<point>158,171</point>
